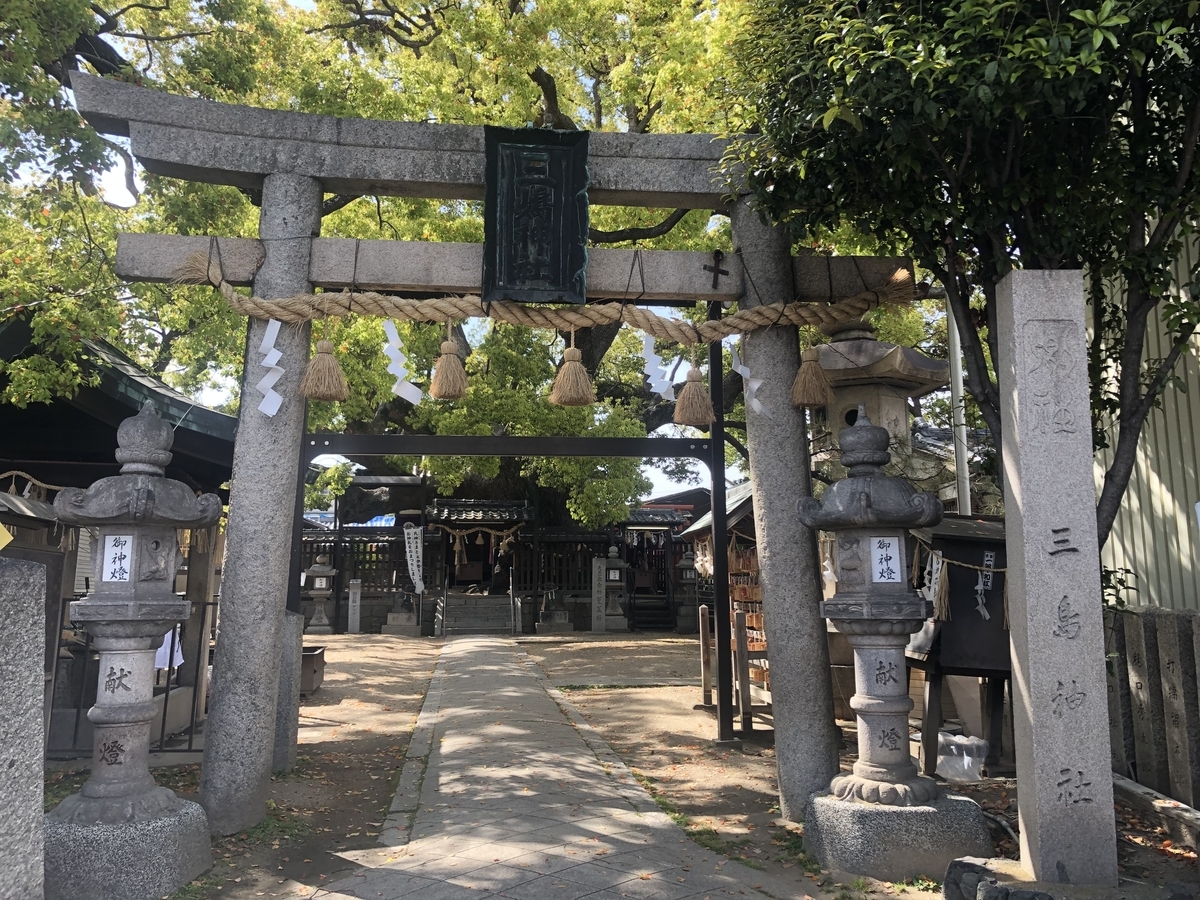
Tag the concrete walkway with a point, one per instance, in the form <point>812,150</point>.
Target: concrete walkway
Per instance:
<point>507,792</point>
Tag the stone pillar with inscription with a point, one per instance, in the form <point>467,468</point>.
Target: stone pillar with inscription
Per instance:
<point>865,822</point>
<point>598,592</point>
<point>122,837</point>
<point>1060,708</point>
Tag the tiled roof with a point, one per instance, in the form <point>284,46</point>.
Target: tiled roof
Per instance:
<point>643,516</point>
<point>478,512</point>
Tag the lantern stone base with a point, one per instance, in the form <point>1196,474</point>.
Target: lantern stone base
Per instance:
<point>127,861</point>
<point>893,843</point>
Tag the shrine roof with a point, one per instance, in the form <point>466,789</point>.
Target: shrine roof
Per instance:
<point>71,441</point>
<point>739,503</point>
<point>643,517</point>
<point>477,512</point>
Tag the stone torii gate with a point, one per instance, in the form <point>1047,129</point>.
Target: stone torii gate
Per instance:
<point>1065,795</point>
<point>293,158</point>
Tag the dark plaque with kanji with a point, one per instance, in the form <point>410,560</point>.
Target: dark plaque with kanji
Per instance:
<point>535,215</point>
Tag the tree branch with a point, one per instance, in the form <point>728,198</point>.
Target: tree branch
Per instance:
<point>596,236</point>
<point>127,158</point>
<point>334,202</point>
<point>551,114</point>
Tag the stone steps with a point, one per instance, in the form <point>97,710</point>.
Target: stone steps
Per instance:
<point>482,614</point>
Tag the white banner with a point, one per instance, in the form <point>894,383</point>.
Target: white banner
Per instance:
<point>414,549</point>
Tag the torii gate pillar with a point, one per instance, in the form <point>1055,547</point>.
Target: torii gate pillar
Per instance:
<point>241,731</point>
<point>806,739</point>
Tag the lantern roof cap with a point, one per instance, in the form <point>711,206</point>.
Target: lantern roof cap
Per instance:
<point>867,497</point>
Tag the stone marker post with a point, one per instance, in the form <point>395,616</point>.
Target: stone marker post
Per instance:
<point>122,837</point>
<point>1120,711</point>
<point>1181,717</point>
<point>1146,701</point>
<point>240,735</point>
<point>598,594</point>
<point>22,694</point>
<point>1060,708</point>
<point>806,738</point>
<point>197,629</point>
<point>354,607</point>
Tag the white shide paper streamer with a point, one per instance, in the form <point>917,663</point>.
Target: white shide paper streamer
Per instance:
<point>750,383</point>
<point>271,400</point>
<point>656,372</point>
<point>403,388</point>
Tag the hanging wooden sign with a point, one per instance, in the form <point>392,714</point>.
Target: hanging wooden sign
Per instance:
<point>535,215</point>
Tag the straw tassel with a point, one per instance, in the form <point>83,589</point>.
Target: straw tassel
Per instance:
<point>323,379</point>
<point>449,376</point>
<point>811,387</point>
<point>941,597</point>
<point>572,387</point>
<point>694,406</point>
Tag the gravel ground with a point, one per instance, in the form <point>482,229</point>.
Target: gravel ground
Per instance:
<point>355,730</point>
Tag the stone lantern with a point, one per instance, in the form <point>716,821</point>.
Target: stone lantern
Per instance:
<point>866,822</point>
<point>122,836</point>
<point>319,581</point>
<point>686,616</point>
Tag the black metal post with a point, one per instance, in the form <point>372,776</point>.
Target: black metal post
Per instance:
<point>716,378</point>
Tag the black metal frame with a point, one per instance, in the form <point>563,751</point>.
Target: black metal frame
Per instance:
<point>710,451</point>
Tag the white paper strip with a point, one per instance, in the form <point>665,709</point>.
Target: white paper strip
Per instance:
<point>750,384</point>
<point>655,371</point>
<point>403,388</point>
<point>271,400</point>
<point>885,556</point>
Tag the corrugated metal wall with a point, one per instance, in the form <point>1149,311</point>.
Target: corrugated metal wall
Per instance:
<point>1156,533</point>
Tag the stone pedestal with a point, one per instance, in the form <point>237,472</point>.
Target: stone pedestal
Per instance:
<point>23,637</point>
<point>403,624</point>
<point>555,621</point>
<point>893,843</point>
<point>122,837</point>
<point>1060,710</point>
<point>319,623</point>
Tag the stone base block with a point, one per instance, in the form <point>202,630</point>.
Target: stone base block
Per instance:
<point>893,843</point>
<point>554,627</point>
<point>128,861</point>
<point>616,623</point>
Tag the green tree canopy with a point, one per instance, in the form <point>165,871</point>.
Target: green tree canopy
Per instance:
<point>606,65</point>
<point>982,136</point>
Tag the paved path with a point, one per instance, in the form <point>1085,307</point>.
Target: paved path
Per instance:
<point>507,792</point>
